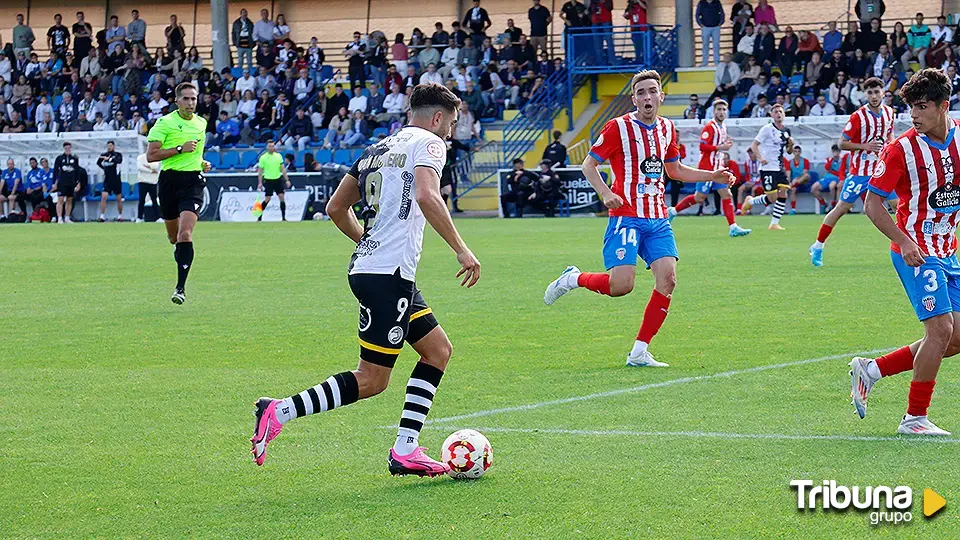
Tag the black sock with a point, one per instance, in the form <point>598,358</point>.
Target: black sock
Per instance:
<point>337,391</point>
<point>184,257</point>
<point>283,209</point>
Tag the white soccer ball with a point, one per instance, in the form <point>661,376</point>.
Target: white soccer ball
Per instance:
<point>319,216</point>
<point>468,453</point>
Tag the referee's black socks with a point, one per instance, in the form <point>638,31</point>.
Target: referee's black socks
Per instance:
<point>183,254</point>
<point>283,209</point>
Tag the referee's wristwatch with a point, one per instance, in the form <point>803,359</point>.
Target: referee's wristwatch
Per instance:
<point>179,148</point>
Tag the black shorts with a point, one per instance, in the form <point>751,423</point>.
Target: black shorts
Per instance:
<point>5,191</point>
<point>180,191</point>
<point>772,180</point>
<point>272,186</point>
<point>391,310</point>
<point>66,188</point>
<point>113,187</point>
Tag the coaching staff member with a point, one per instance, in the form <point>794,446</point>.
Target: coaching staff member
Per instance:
<point>176,141</point>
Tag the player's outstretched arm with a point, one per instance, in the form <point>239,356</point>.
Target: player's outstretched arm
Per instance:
<point>610,199</point>
<point>679,171</point>
<point>435,210</point>
<point>340,208</point>
<point>875,208</point>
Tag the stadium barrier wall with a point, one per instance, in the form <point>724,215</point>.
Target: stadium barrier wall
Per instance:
<point>240,206</point>
<point>315,188</point>
<point>581,197</point>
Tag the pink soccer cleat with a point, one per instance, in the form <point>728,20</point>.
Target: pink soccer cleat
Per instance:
<point>265,429</point>
<point>416,462</point>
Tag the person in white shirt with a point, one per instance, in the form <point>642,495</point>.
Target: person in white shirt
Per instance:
<point>745,46</point>
<point>772,144</point>
<point>857,96</point>
<point>941,36</point>
<point>47,125</point>
<point>881,60</point>
<point>6,68</point>
<point>44,107</point>
<point>147,175</point>
<point>246,83</point>
<point>392,105</point>
<point>358,102</point>
<point>431,75</point>
<point>448,60</point>
<point>156,106</point>
<point>822,107</point>
<point>99,124</point>
<point>247,107</point>
<point>303,87</point>
<point>762,108</point>
<point>90,64</point>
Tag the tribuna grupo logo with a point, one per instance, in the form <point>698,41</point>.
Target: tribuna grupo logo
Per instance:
<point>886,504</point>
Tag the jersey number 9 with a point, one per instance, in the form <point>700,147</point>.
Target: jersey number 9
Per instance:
<point>371,196</point>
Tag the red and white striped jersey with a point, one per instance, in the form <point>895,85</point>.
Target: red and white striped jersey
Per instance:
<point>712,136</point>
<point>637,154</point>
<point>922,173</point>
<point>865,126</point>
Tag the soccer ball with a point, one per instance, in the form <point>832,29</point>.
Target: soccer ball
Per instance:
<point>468,453</point>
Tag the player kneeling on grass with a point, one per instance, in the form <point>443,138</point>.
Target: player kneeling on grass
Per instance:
<point>772,143</point>
<point>714,142</point>
<point>640,146</point>
<point>870,128</point>
<point>835,170</point>
<point>919,166</point>
<point>397,181</point>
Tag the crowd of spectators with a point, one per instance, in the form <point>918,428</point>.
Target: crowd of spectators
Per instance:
<point>820,73</point>
<point>109,80</point>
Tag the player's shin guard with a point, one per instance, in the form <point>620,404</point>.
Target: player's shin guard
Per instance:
<point>895,362</point>
<point>778,208</point>
<point>727,206</point>
<point>337,391</point>
<point>919,398</point>
<point>183,254</point>
<point>421,389</point>
<point>283,209</point>
<point>685,203</point>
<point>597,282</point>
<point>653,316</point>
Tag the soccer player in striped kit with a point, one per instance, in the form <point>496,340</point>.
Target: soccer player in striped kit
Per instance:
<point>713,141</point>
<point>641,146</point>
<point>866,133</point>
<point>920,166</point>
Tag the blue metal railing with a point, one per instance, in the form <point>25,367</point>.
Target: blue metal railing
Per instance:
<point>622,49</point>
<point>619,106</point>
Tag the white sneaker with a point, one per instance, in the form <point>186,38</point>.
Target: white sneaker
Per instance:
<point>860,383</point>
<point>644,359</point>
<point>562,285</point>
<point>919,425</point>
<point>67,220</point>
<point>54,219</point>
<point>767,210</point>
<point>139,220</point>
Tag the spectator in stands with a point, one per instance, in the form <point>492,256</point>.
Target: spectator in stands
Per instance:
<point>574,14</point>
<point>601,19</point>
<point>299,132</point>
<point>82,38</point>
<point>156,106</point>
<point>941,37</point>
<point>431,75</point>
<point>359,131</point>
<point>247,107</point>
<point>457,35</point>
<point>764,48</point>
<point>807,45</point>
<point>822,107</point>
<point>918,41</point>
<point>81,124</point>
<point>392,105</point>
<point>246,82</point>
<point>47,124</point>
<point>832,38</point>
<point>137,29</point>
<point>90,64</point>
<point>694,110</point>
<point>263,29</point>
<point>310,164</point>
<point>116,36</point>
<point>354,53</point>
<point>787,52</point>
<point>192,62</point>
<point>745,45</point>
<point>15,124</point>
<point>375,102</point>
<point>776,87</point>
<point>765,14</point>
<point>851,41</point>
<point>540,19</point>
<point>477,20</point>
<point>281,113</point>
<point>281,31</point>
<point>512,31</point>
<point>21,91</point>
<point>949,59</point>
<point>400,54</point>
<point>899,41</point>
<point>118,123</point>
<point>266,57</point>
<point>843,106</point>
<point>358,102</point>
<point>811,75</point>
<point>526,54</point>
<point>303,87</point>
<point>840,87</point>
<point>883,59</point>
<point>473,99</point>
<point>521,189</point>
<point>470,56</point>
<point>440,37</point>
<point>762,108</point>
<point>874,37</point>
<point>266,82</point>
<point>67,110</point>
<point>102,106</point>
<point>725,79</point>
<point>448,60</point>
<point>23,37</point>
<point>798,108</point>
<point>58,36</point>
<point>710,17</point>
<point>176,36</point>
<point>868,11</point>
<point>859,65</point>
<point>339,126</point>
<point>428,55</point>
<point>636,14</point>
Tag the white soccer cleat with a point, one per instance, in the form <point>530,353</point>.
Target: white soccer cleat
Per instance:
<point>644,359</point>
<point>860,383</point>
<point>920,425</point>
<point>562,285</point>
<point>671,213</point>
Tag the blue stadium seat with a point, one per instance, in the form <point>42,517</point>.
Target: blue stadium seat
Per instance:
<point>241,145</point>
<point>355,153</point>
<point>213,158</point>
<point>131,191</point>
<point>737,106</point>
<point>380,131</point>
<point>324,156</point>
<point>795,82</point>
<point>298,158</point>
<point>56,101</point>
<point>229,160</point>
<point>365,92</point>
<point>236,72</point>
<point>249,158</point>
<point>259,145</point>
<point>321,134</point>
<point>342,157</point>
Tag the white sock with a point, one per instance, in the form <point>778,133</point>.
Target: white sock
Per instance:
<point>873,370</point>
<point>733,226</point>
<point>639,347</point>
<point>405,444</point>
<point>818,245</point>
<point>285,411</point>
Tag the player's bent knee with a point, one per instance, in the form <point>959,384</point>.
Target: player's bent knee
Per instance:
<point>620,288</point>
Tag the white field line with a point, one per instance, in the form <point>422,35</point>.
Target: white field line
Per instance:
<point>651,386</point>
<point>717,435</point>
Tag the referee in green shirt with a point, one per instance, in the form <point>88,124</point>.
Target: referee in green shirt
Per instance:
<point>176,141</point>
<point>270,169</point>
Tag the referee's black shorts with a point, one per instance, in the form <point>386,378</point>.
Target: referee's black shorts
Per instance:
<point>180,191</point>
<point>271,187</point>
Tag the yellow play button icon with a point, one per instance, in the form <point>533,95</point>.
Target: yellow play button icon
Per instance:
<point>932,502</point>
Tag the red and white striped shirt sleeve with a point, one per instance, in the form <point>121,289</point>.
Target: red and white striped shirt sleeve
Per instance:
<point>608,142</point>
<point>851,131</point>
<point>891,171</point>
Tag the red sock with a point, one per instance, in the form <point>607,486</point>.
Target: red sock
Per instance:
<point>821,201</point>
<point>825,231</point>
<point>597,282</point>
<point>895,362</point>
<point>685,203</point>
<point>653,316</point>
<point>727,206</point>
<point>919,397</point>
<point>793,205</point>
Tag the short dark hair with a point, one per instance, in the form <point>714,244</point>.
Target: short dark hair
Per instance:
<point>928,84</point>
<point>835,147</point>
<point>872,82</point>
<point>431,95</point>
<point>185,86</point>
<point>557,134</point>
<point>271,141</point>
<point>66,144</point>
<point>517,160</point>
<point>111,142</point>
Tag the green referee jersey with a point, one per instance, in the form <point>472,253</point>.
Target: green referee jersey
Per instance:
<point>271,165</point>
<point>171,131</point>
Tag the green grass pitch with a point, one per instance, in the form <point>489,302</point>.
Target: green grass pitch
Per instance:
<point>124,415</point>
